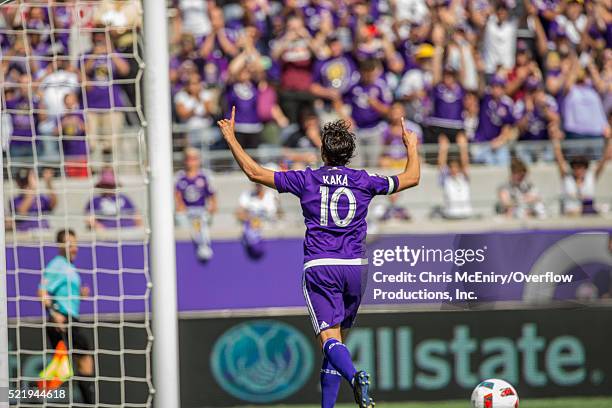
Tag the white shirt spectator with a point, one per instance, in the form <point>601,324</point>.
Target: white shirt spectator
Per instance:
<point>200,117</point>
<point>499,45</point>
<point>411,10</point>
<point>195,17</point>
<point>265,207</point>
<point>55,87</point>
<point>574,195</point>
<point>573,29</point>
<point>413,81</point>
<point>456,191</point>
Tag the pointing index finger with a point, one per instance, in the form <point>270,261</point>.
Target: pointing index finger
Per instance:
<point>403,124</point>
<point>233,114</point>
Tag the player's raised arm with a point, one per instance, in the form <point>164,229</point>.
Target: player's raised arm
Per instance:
<point>250,167</point>
<point>412,173</point>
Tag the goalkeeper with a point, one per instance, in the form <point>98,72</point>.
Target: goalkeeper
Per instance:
<point>61,292</point>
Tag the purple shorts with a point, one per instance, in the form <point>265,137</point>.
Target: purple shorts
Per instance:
<point>333,294</point>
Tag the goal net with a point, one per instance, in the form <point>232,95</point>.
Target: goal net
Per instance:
<point>75,161</point>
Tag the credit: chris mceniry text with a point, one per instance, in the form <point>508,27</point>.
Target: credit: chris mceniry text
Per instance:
<point>404,274</point>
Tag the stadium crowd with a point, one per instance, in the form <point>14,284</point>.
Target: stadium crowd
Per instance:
<point>498,82</point>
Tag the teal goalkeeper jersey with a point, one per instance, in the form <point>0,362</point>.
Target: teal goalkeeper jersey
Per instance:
<point>63,283</point>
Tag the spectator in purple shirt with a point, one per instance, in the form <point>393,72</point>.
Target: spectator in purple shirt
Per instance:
<point>335,75</point>
<point>494,129</point>
<point>110,208</point>
<point>19,105</point>
<point>102,67</point>
<point>218,47</point>
<point>370,100</point>
<point>71,131</point>
<point>195,202</point>
<point>394,152</point>
<point>30,206</point>
<point>537,116</point>
<point>243,93</point>
<point>181,62</point>
<point>447,95</point>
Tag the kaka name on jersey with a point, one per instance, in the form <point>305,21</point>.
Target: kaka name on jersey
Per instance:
<point>336,179</point>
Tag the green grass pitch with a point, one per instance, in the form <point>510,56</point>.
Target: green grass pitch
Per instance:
<point>574,402</point>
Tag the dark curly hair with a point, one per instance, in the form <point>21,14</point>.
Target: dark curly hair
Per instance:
<point>337,143</point>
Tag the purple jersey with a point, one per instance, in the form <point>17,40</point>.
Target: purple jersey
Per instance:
<point>194,191</point>
<point>34,219</point>
<point>23,123</point>
<point>72,130</point>
<point>112,210</point>
<point>494,114</point>
<point>447,106</point>
<point>338,73</point>
<point>313,14</point>
<point>243,95</point>
<point>364,115</point>
<point>537,124</point>
<point>101,93</point>
<point>335,204</point>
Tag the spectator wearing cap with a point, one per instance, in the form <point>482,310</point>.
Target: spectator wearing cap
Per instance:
<point>416,84</point>
<point>369,101</point>
<point>110,208</point>
<point>31,206</point>
<point>537,118</point>
<point>499,39</point>
<point>494,129</point>
<point>579,179</point>
<point>519,198</point>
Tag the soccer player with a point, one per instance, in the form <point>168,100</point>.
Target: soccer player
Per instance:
<point>195,202</point>
<point>334,200</point>
<point>61,292</point>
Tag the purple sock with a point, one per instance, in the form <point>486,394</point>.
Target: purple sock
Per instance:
<point>340,358</point>
<point>330,384</point>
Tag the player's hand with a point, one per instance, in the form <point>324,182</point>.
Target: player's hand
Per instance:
<point>408,136</point>
<point>58,318</point>
<point>227,125</point>
<point>85,291</point>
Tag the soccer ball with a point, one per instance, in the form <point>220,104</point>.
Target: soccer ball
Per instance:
<point>494,393</point>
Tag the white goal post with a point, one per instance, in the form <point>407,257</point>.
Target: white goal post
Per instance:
<point>162,249</point>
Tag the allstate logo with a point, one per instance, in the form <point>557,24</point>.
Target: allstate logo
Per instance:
<point>261,361</point>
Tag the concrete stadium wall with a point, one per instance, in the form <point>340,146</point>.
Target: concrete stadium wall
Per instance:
<point>73,195</point>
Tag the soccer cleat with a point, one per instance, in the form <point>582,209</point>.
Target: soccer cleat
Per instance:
<point>361,390</point>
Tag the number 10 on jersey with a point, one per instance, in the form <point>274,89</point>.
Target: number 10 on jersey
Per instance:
<point>331,206</point>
